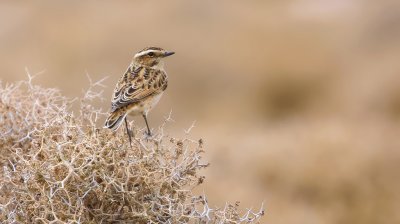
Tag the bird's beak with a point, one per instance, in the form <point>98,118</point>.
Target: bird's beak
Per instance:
<point>166,54</point>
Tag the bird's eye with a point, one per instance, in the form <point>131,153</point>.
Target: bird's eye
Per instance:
<point>151,54</point>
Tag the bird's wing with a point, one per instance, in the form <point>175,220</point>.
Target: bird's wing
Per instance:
<point>136,85</point>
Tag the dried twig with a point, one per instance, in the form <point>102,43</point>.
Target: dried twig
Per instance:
<point>60,168</point>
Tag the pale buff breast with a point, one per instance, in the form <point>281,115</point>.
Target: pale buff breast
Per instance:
<point>145,106</point>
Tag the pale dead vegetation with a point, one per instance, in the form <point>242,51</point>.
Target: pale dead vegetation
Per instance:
<point>58,167</point>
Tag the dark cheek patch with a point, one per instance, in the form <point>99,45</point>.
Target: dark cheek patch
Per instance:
<point>154,63</point>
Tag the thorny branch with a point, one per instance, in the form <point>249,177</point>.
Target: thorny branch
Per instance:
<point>60,168</point>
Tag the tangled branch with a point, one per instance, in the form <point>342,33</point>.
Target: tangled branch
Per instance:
<point>60,168</point>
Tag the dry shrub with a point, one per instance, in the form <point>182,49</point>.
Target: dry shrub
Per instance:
<point>59,167</point>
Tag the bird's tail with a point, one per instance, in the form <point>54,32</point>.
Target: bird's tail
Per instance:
<point>115,120</point>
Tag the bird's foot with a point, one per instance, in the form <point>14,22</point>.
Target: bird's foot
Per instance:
<point>148,135</point>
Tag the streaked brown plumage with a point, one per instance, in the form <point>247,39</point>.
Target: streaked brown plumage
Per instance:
<point>140,88</point>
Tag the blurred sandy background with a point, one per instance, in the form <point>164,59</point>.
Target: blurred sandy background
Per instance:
<point>298,101</point>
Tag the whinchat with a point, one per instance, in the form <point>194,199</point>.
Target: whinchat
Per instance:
<point>139,89</point>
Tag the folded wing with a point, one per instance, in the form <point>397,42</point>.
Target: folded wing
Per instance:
<point>136,85</point>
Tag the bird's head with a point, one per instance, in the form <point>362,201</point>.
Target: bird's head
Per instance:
<point>151,57</point>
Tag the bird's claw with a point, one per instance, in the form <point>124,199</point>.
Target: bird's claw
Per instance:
<point>148,135</point>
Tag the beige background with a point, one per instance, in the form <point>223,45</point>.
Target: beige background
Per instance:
<point>298,101</point>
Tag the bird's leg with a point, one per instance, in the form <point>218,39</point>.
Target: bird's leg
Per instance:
<point>128,131</point>
<point>147,124</point>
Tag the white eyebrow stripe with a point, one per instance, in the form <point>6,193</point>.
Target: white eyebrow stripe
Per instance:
<point>143,53</point>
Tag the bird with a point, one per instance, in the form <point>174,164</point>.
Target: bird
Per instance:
<point>139,89</point>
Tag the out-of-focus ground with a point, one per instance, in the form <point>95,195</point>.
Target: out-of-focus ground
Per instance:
<point>298,101</point>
